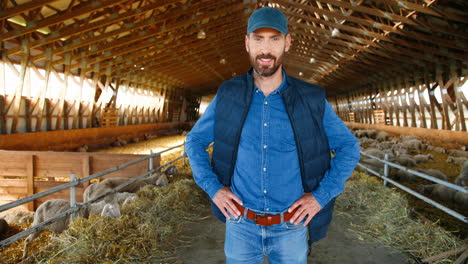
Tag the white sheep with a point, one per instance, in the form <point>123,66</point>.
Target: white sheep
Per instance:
<point>374,152</point>
<point>458,153</point>
<point>406,137</point>
<point>95,190</point>
<point>434,173</point>
<point>412,145</point>
<point>48,210</point>
<point>423,158</point>
<point>382,136</point>
<point>406,161</point>
<point>456,160</point>
<point>54,207</point>
<point>436,149</point>
<point>385,145</point>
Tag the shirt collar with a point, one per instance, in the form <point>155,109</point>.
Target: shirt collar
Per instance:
<point>282,86</point>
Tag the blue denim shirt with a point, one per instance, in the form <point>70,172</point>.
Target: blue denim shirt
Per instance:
<point>267,173</point>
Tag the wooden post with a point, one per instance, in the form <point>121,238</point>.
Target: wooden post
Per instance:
<point>85,170</point>
<point>30,180</point>
<point>61,102</point>
<point>422,102</point>
<point>459,94</point>
<point>92,106</point>
<point>19,89</point>
<point>42,99</point>
<point>443,93</point>
<point>78,118</point>
<point>2,95</point>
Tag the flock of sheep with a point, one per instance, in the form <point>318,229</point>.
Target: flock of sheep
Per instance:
<point>408,151</point>
<point>109,206</point>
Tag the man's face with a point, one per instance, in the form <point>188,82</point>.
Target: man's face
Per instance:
<point>266,47</point>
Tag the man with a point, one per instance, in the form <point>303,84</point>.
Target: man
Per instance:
<point>271,172</point>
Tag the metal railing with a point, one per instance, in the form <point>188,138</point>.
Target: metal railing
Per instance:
<point>72,185</point>
<point>387,180</point>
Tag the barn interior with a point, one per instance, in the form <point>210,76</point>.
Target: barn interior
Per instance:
<point>79,79</point>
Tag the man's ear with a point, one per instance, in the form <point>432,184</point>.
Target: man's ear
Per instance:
<point>288,43</point>
<point>247,43</point>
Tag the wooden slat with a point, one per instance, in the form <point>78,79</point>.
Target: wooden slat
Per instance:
<point>30,180</point>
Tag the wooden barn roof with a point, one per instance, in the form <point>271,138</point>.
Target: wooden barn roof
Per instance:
<point>340,45</point>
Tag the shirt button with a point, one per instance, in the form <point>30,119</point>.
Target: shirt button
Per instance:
<point>264,169</point>
<point>268,209</point>
<point>266,102</point>
<point>264,191</point>
<point>264,146</point>
<point>265,124</point>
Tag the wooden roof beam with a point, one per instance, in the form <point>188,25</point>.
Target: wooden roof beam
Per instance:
<point>373,24</point>
<point>82,9</point>
<point>23,8</point>
<point>110,20</point>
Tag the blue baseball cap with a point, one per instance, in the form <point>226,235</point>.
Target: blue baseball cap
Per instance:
<point>268,17</point>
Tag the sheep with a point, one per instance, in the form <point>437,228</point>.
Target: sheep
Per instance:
<point>413,145</point>
<point>162,181</point>
<point>97,189</point>
<point>462,179</point>
<point>425,189</point>
<point>103,207</point>
<point>54,207</point>
<point>458,153</point>
<point>461,199</point>
<point>82,148</point>
<point>48,210</point>
<point>382,136</point>
<point>365,141</point>
<point>434,173</point>
<point>365,133</point>
<point>423,158</point>
<point>404,176</point>
<point>3,226</point>
<point>436,149</point>
<point>19,217</point>
<point>443,193</point>
<point>456,160</point>
<point>385,145</point>
<point>135,140</point>
<point>374,152</point>
<point>405,137</point>
<point>111,210</point>
<point>406,161</point>
<point>373,165</point>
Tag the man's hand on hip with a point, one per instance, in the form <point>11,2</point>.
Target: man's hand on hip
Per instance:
<point>306,206</point>
<point>224,199</point>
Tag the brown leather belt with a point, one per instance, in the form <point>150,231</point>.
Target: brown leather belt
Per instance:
<point>265,219</point>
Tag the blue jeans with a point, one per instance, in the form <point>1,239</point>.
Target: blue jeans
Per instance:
<point>248,243</point>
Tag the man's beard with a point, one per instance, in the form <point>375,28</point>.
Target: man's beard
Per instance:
<point>265,70</point>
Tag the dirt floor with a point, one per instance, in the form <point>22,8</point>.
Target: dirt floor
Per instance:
<point>339,247</point>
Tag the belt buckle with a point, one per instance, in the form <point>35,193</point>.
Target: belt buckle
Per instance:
<point>258,215</point>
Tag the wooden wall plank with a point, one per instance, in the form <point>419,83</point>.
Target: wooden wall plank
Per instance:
<point>30,181</point>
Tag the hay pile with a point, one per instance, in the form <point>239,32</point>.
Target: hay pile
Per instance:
<point>148,231</point>
<point>381,214</point>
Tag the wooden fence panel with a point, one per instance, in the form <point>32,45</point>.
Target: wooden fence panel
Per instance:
<point>23,173</point>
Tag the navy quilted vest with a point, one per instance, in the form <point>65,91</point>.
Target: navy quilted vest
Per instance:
<point>305,107</point>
